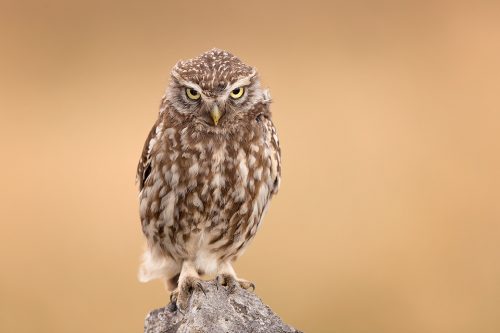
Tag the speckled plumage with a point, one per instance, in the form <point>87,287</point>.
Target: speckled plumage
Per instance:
<point>205,186</point>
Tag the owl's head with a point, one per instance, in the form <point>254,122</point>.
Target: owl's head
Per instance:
<point>214,91</point>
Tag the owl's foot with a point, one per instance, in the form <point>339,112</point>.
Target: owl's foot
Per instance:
<point>181,295</point>
<point>232,282</point>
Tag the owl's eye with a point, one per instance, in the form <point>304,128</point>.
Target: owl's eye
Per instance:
<point>192,94</point>
<point>237,93</point>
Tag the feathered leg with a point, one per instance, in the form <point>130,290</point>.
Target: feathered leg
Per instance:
<point>189,280</point>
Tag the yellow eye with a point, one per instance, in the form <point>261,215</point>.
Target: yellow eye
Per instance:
<point>237,93</point>
<point>192,94</point>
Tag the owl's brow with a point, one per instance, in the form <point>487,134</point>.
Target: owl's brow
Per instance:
<point>244,81</point>
<point>185,83</point>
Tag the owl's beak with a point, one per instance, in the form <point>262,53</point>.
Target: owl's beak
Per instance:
<point>215,114</point>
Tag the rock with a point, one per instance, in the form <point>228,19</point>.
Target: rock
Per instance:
<point>217,309</point>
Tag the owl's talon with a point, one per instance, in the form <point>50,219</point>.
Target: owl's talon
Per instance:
<point>231,282</point>
<point>225,280</point>
<point>200,287</point>
<point>172,307</point>
<point>186,289</point>
<point>217,282</point>
<point>173,296</point>
<point>247,285</point>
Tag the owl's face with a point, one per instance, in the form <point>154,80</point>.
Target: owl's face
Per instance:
<point>215,91</point>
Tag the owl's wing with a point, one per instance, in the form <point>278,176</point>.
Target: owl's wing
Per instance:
<point>274,143</point>
<point>144,166</point>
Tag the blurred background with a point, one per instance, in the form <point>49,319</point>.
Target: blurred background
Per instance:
<point>388,219</point>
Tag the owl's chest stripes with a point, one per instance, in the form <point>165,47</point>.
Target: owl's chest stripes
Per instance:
<point>216,187</point>
<point>207,195</point>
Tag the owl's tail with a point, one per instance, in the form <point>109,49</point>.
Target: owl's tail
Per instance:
<point>154,265</point>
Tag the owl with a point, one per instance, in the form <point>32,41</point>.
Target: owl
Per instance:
<point>209,167</point>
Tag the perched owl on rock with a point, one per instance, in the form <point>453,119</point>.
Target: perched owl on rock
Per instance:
<point>208,169</point>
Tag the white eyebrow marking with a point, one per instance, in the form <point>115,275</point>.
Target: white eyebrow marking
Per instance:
<point>189,84</point>
<point>186,83</point>
<point>244,81</point>
<point>241,82</point>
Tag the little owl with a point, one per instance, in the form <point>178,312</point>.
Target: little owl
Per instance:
<point>209,166</point>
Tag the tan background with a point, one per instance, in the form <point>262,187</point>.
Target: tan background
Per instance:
<point>388,219</point>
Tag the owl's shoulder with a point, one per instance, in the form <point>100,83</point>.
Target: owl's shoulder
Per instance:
<point>151,145</point>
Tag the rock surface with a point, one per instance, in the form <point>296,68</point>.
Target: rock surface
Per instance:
<point>217,309</point>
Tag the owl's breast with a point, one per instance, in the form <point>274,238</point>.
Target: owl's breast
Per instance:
<point>211,194</point>
<point>234,183</point>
